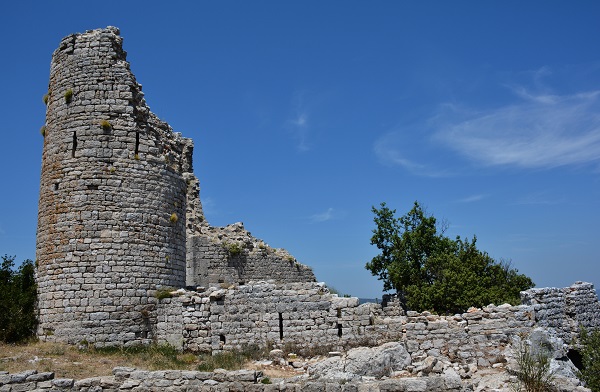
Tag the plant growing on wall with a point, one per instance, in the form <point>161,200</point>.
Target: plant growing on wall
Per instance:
<point>233,248</point>
<point>163,293</point>
<point>43,130</point>
<point>106,125</point>
<point>173,218</point>
<point>68,96</point>
<point>46,98</point>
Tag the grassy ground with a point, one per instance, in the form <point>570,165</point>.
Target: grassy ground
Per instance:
<point>70,362</point>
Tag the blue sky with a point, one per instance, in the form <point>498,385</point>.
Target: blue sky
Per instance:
<point>306,114</point>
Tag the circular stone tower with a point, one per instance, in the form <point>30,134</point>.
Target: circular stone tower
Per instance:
<point>112,209</point>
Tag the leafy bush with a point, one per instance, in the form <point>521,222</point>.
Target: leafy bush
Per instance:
<point>46,98</point>
<point>590,353</point>
<point>430,271</point>
<point>43,130</point>
<point>173,218</point>
<point>17,301</point>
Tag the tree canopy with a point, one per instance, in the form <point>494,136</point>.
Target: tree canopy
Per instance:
<point>17,300</point>
<point>430,271</point>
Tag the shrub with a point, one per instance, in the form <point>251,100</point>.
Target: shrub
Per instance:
<point>234,248</point>
<point>43,130</point>
<point>17,301</point>
<point>46,98</point>
<point>174,218</point>
<point>533,370</point>
<point>68,96</point>
<point>590,353</point>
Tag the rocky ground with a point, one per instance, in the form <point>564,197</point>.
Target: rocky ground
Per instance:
<point>388,367</point>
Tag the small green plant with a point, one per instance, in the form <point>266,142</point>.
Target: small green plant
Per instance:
<point>43,130</point>
<point>46,98</point>
<point>234,248</point>
<point>590,356</point>
<point>533,370</point>
<point>136,157</point>
<point>174,218</point>
<point>68,96</point>
<point>163,293</point>
<point>266,380</point>
<point>106,125</point>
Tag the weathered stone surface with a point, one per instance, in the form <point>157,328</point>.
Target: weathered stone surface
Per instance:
<point>119,213</point>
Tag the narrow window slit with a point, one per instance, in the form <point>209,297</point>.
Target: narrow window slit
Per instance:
<point>280,326</point>
<point>137,143</point>
<point>339,328</point>
<point>74,144</point>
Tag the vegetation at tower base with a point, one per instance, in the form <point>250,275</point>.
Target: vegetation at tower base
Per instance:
<point>17,300</point>
<point>430,271</point>
<point>590,353</point>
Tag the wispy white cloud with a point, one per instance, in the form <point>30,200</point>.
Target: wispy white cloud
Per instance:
<point>472,198</point>
<point>401,148</point>
<point>323,216</point>
<point>539,131</point>
<point>209,206</point>
<point>539,198</point>
<point>298,124</point>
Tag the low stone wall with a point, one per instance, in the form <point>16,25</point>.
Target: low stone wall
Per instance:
<point>306,317</point>
<point>134,380</point>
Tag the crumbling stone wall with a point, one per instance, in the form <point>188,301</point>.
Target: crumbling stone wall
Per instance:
<point>231,255</point>
<point>119,209</point>
<point>306,317</point>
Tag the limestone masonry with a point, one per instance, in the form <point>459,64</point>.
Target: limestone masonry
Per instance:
<point>125,255</point>
<point>119,209</point>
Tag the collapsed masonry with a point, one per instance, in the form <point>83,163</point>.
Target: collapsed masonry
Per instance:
<point>119,210</point>
<point>120,219</point>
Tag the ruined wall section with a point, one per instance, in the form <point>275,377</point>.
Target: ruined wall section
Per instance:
<point>565,309</point>
<point>231,255</point>
<point>113,199</point>
<point>307,317</point>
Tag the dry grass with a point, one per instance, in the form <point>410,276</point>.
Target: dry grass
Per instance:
<point>68,361</point>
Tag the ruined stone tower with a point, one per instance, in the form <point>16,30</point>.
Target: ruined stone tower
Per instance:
<point>111,224</point>
<point>119,211</point>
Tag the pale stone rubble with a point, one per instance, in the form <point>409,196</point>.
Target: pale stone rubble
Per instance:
<point>120,219</point>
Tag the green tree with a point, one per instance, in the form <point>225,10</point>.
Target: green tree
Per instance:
<point>430,271</point>
<point>590,355</point>
<point>17,300</point>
